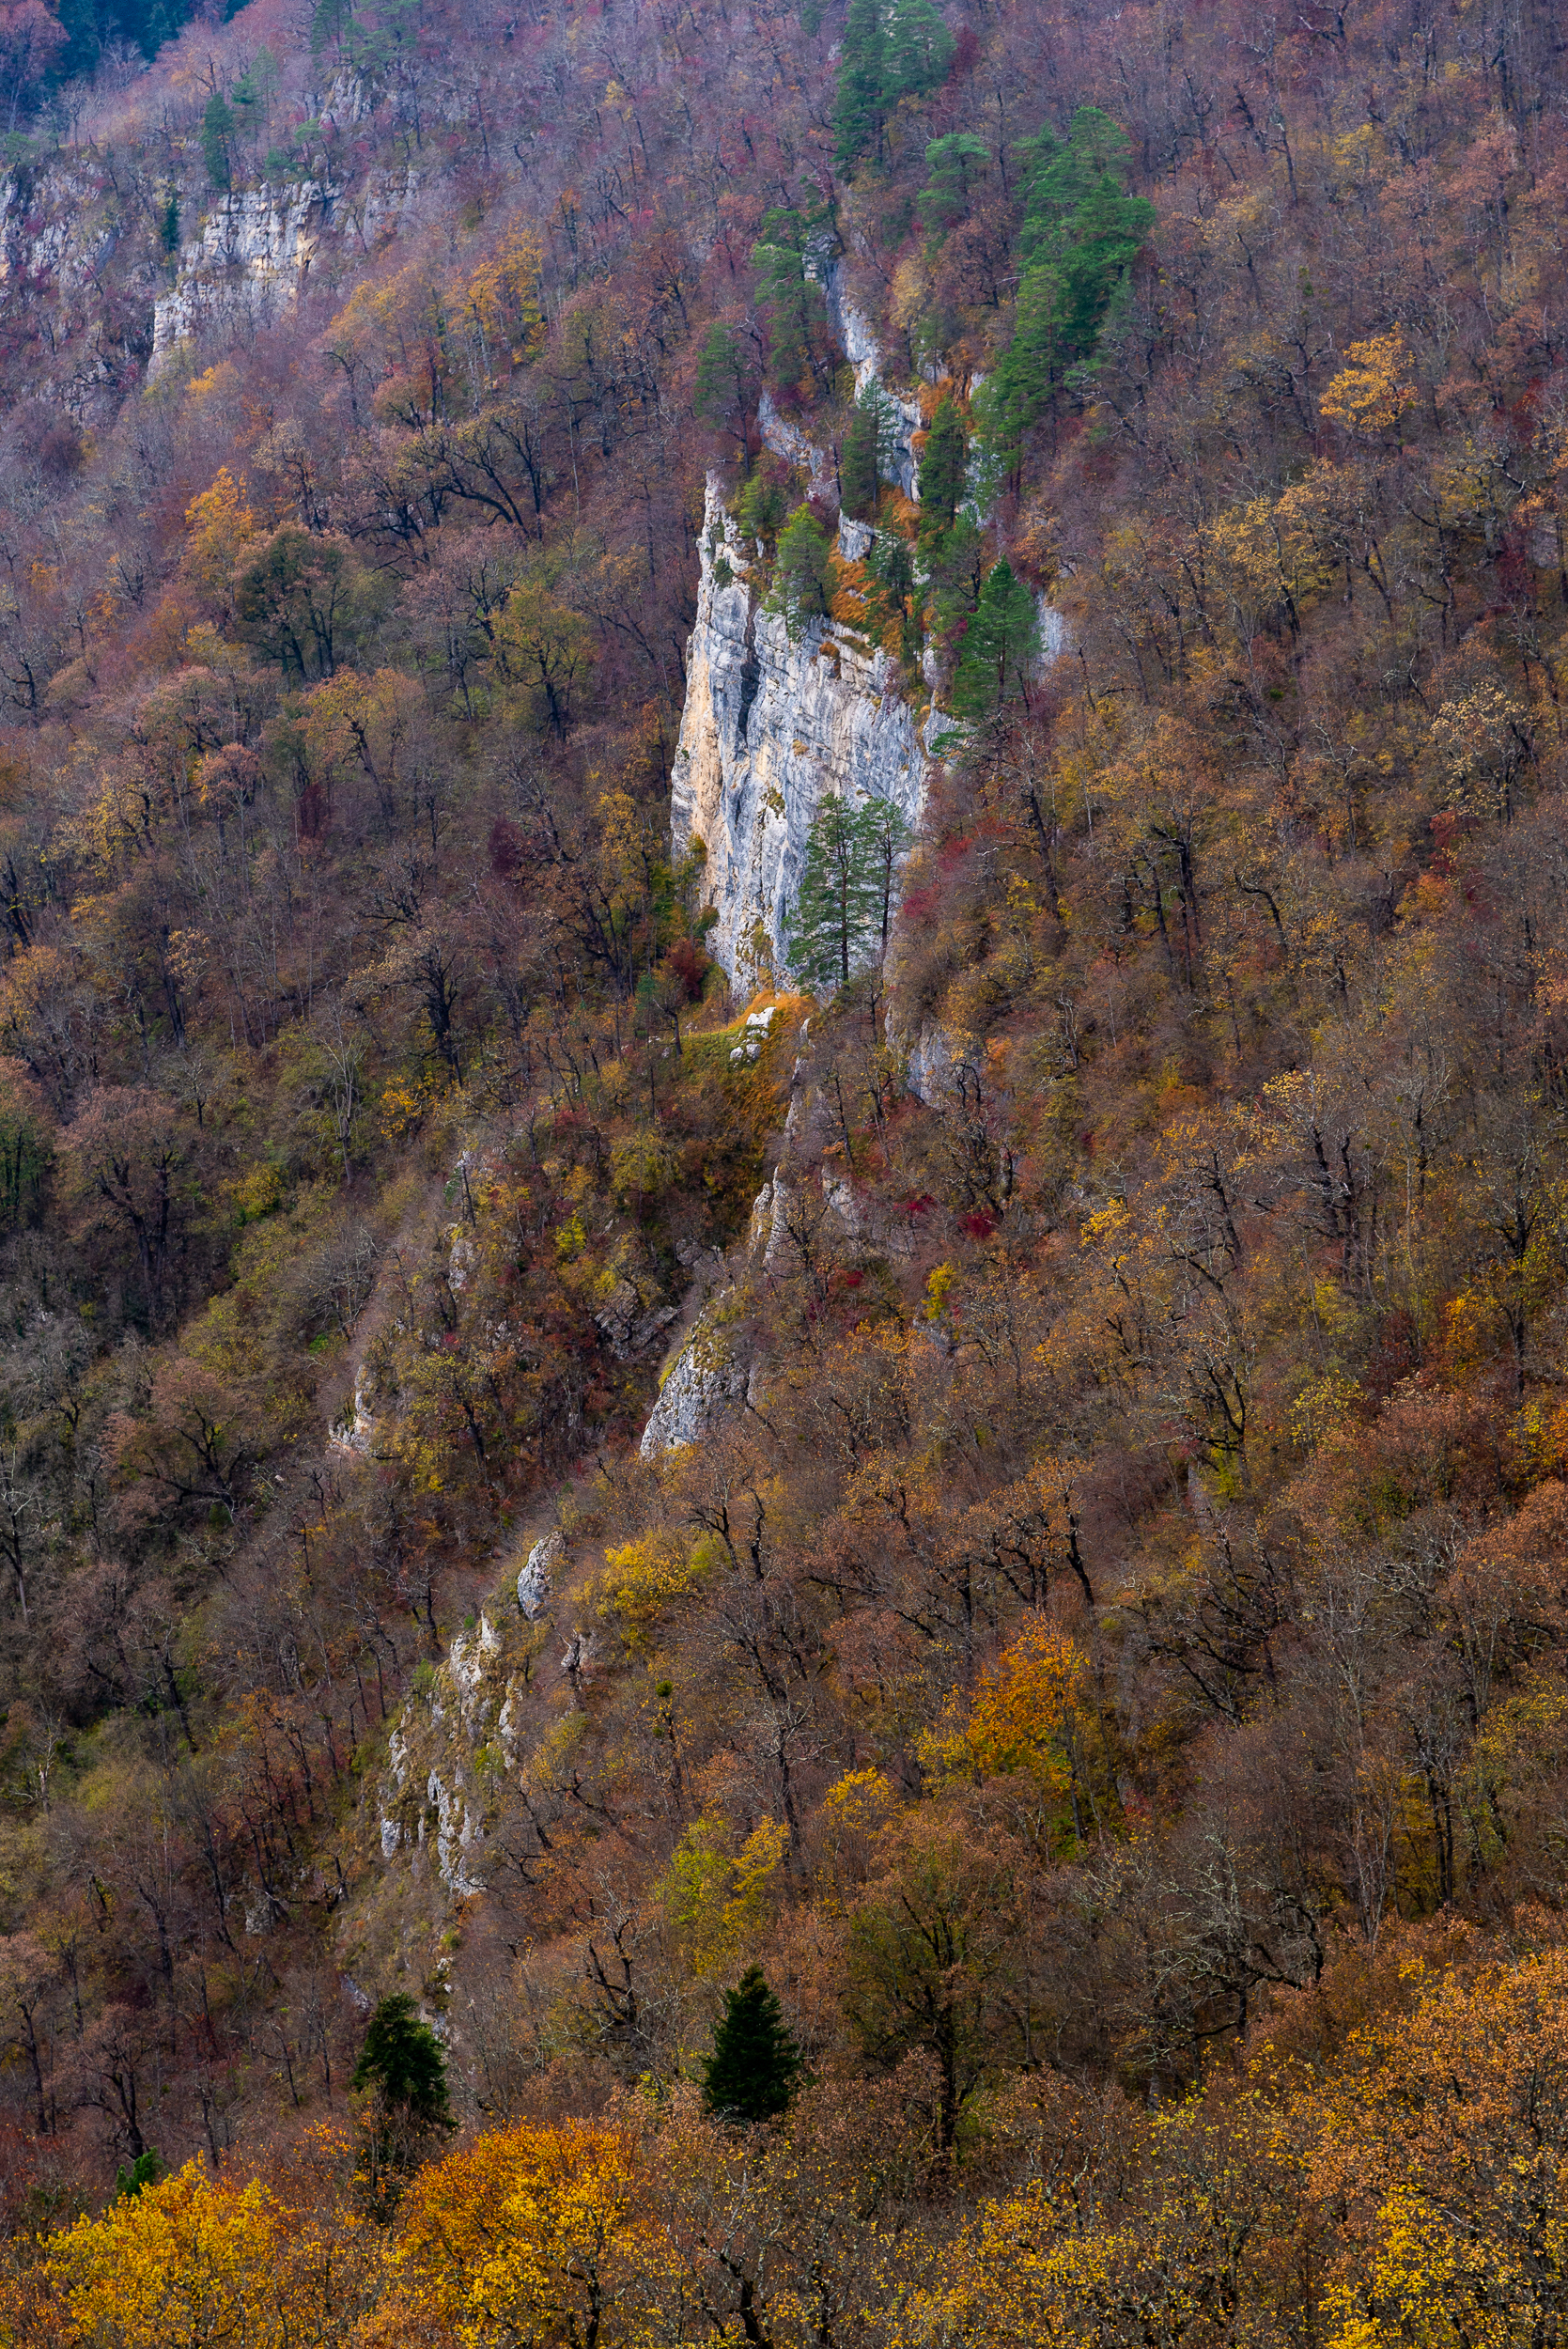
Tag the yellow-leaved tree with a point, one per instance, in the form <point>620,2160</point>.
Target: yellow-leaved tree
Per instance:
<point>534,2234</point>
<point>1032,1719</point>
<point>1374,390</point>
<point>220,522</point>
<point>193,2261</point>
<point>1442,2149</point>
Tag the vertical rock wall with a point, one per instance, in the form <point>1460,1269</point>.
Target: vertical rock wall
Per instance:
<point>250,258</point>
<point>771,729</point>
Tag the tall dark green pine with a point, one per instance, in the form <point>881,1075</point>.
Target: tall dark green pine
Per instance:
<point>1081,235</point>
<point>1001,645</point>
<point>956,163</point>
<point>941,473</point>
<point>725,391</point>
<point>858,104</point>
<point>917,50</point>
<point>402,2059</point>
<point>755,2064</point>
<point>866,455</point>
<point>844,903</point>
<point>402,2062</point>
<point>330,25</point>
<point>217,129</point>
<point>791,301</point>
<point>802,574</point>
<point>892,590</point>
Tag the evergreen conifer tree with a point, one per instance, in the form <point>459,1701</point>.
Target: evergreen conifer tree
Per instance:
<point>917,51</point>
<point>844,903</point>
<point>942,464</point>
<point>857,105</point>
<point>217,129</point>
<point>791,301</point>
<point>725,391</point>
<point>763,505</point>
<point>145,2170</point>
<point>955,164</point>
<point>889,51</point>
<point>402,2061</point>
<point>802,576</point>
<point>892,591</point>
<point>1002,644</point>
<point>866,455</point>
<point>330,25</point>
<point>1081,235</point>
<point>751,2073</point>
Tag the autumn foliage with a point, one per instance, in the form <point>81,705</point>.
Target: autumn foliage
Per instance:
<point>1103,1665</point>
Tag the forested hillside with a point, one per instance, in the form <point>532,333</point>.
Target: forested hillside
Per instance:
<point>783,1173</point>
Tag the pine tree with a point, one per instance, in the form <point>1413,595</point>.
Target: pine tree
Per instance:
<point>884,838</point>
<point>955,164</point>
<point>725,391</point>
<point>791,301</point>
<point>148,2167</point>
<point>1001,645</point>
<point>402,2061</point>
<point>802,574</point>
<point>1081,235</point>
<point>844,906</point>
<point>892,591</point>
<point>917,51</point>
<point>751,2073</point>
<point>762,506</point>
<point>330,25</point>
<point>217,129</point>
<point>942,465</point>
<point>858,109</point>
<point>866,455</point>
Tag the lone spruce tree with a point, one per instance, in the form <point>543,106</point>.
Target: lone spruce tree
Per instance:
<point>865,459</point>
<point>802,574</point>
<point>402,2061</point>
<point>402,2066</point>
<point>752,2071</point>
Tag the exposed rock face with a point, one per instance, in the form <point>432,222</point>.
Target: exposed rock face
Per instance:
<point>437,1796</point>
<point>706,1379</point>
<point>544,1563</point>
<point>249,258</point>
<point>864,353</point>
<point>771,729</point>
<point>939,1064</point>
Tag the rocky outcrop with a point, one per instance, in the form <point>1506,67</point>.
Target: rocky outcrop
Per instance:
<point>538,1576</point>
<point>939,1065</point>
<point>454,1740</point>
<point>247,261</point>
<point>707,1380</point>
<point>772,726</point>
<point>250,258</point>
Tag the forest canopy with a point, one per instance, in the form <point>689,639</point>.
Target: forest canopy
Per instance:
<point>833,1615</point>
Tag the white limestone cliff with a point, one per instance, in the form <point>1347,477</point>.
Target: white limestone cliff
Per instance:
<point>248,259</point>
<point>773,726</point>
<point>252,254</point>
